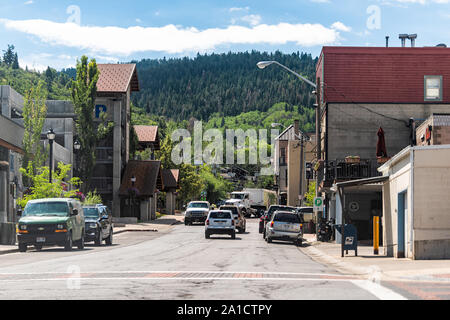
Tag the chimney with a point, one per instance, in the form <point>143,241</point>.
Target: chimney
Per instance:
<point>403,37</point>
<point>387,41</point>
<point>297,127</point>
<point>413,38</point>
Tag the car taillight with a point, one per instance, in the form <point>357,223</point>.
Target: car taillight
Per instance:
<point>271,225</point>
<point>232,222</point>
<point>207,222</point>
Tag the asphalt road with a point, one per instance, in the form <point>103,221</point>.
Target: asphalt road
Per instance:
<point>180,264</point>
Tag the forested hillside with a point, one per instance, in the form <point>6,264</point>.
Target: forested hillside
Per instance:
<point>224,84</point>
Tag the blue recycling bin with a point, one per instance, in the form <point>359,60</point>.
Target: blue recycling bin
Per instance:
<point>349,241</point>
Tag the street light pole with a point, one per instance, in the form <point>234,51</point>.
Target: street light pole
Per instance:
<point>264,64</point>
<point>51,137</point>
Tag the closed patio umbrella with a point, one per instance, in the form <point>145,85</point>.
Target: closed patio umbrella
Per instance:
<point>381,144</point>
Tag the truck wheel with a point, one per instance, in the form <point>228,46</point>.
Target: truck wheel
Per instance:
<point>98,239</point>
<point>80,243</point>
<point>109,240</point>
<point>299,242</point>
<point>22,247</point>
<point>233,235</point>
<point>38,247</point>
<point>206,235</point>
<point>69,242</point>
<point>269,240</point>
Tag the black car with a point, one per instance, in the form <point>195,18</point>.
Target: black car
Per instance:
<point>99,225</point>
<point>268,215</point>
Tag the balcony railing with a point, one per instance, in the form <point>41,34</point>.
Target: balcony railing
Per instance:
<point>104,154</point>
<point>342,170</point>
<point>102,185</point>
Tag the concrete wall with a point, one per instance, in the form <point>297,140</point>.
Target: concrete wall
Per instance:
<point>7,233</point>
<point>425,176</point>
<point>353,129</point>
<point>9,99</point>
<point>432,203</point>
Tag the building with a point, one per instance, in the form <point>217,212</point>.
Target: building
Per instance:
<point>148,137</point>
<point>289,164</point>
<point>115,85</point>
<point>363,89</point>
<point>416,204</point>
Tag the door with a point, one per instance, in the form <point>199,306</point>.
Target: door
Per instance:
<point>402,198</point>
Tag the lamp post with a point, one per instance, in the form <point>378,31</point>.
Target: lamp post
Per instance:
<point>302,146</point>
<point>264,64</point>
<point>51,137</point>
<point>133,181</point>
<point>76,147</point>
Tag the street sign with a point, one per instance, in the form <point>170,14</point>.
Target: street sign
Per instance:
<point>318,204</point>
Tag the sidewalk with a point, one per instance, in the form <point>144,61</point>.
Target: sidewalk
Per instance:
<point>368,265</point>
<point>159,225</point>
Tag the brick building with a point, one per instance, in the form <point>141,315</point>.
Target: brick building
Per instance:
<point>360,90</point>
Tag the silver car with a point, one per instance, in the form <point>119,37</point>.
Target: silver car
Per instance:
<point>220,222</point>
<point>285,226</point>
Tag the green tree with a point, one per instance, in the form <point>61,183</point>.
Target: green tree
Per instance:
<point>84,92</point>
<point>42,188</point>
<point>34,114</point>
<point>311,194</point>
<point>9,56</point>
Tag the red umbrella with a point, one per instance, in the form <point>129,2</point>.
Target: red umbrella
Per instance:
<point>381,145</point>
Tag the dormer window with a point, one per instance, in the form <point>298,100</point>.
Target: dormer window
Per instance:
<point>433,88</point>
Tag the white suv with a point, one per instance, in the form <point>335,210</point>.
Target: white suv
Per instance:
<point>220,222</point>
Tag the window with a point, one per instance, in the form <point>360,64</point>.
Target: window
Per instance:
<point>433,88</point>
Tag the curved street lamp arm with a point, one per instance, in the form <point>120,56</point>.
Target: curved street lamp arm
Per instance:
<point>295,73</point>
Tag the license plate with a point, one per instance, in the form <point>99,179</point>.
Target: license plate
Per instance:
<point>41,239</point>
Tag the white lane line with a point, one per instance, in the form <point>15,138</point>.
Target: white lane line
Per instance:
<point>175,278</point>
<point>178,272</point>
<point>378,290</point>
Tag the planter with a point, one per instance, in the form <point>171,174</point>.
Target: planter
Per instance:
<point>352,159</point>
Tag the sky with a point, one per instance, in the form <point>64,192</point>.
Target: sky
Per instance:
<point>56,33</point>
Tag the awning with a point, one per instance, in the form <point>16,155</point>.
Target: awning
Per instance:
<point>360,182</point>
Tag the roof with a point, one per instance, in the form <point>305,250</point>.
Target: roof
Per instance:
<point>117,78</point>
<point>146,134</point>
<point>148,178</point>
<point>360,182</point>
<point>289,134</point>
<point>380,74</point>
<point>170,178</point>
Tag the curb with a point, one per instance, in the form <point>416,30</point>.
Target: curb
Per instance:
<point>373,272</point>
<point>9,251</point>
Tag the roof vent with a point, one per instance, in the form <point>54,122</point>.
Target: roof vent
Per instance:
<point>442,45</point>
<point>411,37</point>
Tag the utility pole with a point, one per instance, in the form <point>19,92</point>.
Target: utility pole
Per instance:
<point>318,148</point>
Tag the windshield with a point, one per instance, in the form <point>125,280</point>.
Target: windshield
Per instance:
<point>47,209</point>
<point>239,196</point>
<point>232,209</point>
<point>91,212</point>
<point>272,209</point>
<point>220,215</point>
<point>286,217</point>
<point>198,205</point>
<point>306,210</point>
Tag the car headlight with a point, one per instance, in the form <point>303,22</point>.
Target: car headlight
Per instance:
<point>23,227</point>
<point>60,226</point>
<point>92,225</point>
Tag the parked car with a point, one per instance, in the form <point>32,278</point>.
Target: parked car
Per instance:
<point>99,225</point>
<point>47,222</point>
<point>268,216</point>
<point>285,226</point>
<point>220,222</point>
<point>196,211</point>
<point>239,219</point>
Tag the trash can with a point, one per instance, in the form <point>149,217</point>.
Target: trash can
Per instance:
<point>349,241</point>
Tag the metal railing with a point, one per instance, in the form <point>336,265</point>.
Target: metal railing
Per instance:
<point>342,170</point>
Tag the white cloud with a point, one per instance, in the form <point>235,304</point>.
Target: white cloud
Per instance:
<point>29,2</point>
<point>252,19</point>
<point>419,1</point>
<point>170,38</point>
<point>320,1</point>
<point>340,27</point>
<point>237,9</point>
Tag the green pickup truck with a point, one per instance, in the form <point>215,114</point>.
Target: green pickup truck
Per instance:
<point>48,222</point>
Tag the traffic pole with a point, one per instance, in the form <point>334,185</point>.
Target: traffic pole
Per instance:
<point>376,234</point>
